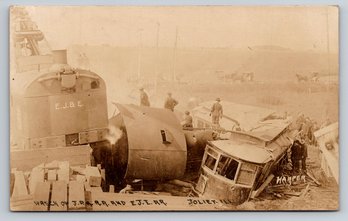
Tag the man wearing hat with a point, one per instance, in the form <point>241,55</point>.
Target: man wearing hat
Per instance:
<point>170,102</point>
<point>144,99</point>
<point>216,112</point>
<point>188,121</point>
<point>299,155</point>
<point>304,155</point>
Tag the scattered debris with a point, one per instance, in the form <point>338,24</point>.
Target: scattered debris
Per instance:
<point>54,186</point>
<point>93,176</point>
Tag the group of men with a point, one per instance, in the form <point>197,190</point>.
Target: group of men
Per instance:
<point>170,103</point>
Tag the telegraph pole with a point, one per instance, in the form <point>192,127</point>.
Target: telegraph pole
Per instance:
<point>157,57</point>
<point>139,54</point>
<point>174,53</point>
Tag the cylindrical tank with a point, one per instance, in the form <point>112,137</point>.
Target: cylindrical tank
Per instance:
<point>196,141</point>
<point>152,145</point>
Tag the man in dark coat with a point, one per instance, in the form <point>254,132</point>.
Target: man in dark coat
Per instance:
<point>144,99</point>
<point>299,155</point>
<point>304,155</point>
<point>216,112</point>
<point>296,156</point>
<point>170,102</point>
<point>188,121</point>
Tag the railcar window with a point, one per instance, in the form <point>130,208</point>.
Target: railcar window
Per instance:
<point>246,174</point>
<point>227,167</point>
<point>212,152</point>
<point>210,162</point>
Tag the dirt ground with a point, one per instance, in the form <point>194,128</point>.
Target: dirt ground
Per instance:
<point>323,197</point>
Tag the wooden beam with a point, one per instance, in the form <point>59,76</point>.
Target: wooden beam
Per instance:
<point>81,178</point>
<point>312,177</point>
<point>37,175</point>
<point>76,195</point>
<point>304,191</point>
<point>93,176</point>
<point>51,175</point>
<point>20,187</point>
<point>59,196</point>
<point>64,171</point>
<point>41,196</point>
<point>257,192</point>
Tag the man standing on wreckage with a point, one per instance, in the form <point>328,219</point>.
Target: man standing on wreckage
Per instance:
<point>216,112</point>
<point>299,155</point>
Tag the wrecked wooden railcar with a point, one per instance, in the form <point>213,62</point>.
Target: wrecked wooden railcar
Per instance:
<point>328,143</point>
<point>235,115</point>
<point>237,167</point>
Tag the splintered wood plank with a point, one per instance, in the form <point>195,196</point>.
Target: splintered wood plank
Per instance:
<point>41,196</point>
<point>20,187</point>
<point>36,175</point>
<point>87,187</point>
<point>64,171</point>
<point>52,165</point>
<point>81,178</point>
<point>76,195</point>
<point>51,175</point>
<point>59,199</point>
<point>93,176</point>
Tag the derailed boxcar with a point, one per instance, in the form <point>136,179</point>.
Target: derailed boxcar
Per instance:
<point>231,169</point>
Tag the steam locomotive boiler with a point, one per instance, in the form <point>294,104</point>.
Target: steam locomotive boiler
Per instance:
<point>149,144</point>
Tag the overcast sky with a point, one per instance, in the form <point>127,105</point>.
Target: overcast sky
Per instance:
<point>297,28</point>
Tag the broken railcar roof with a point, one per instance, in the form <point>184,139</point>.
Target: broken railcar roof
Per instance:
<point>244,150</point>
<point>269,130</point>
<point>246,115</point>
<point>261,147</point>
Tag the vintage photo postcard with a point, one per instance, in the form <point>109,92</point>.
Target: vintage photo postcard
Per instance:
<point>163,108</point>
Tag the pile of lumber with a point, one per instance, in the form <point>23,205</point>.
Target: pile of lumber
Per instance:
<point>55,186</point>
<point>280,191</point>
